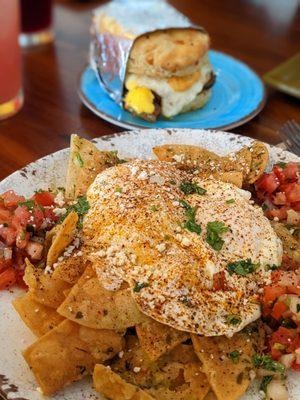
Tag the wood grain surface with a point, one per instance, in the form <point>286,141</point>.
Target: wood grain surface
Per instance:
<point>262,33</point>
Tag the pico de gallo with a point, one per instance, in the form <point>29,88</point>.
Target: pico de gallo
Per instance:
<point>278,192</point>
<point>23,225</point>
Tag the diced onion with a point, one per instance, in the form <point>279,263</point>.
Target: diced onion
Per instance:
<point>297,352</point>
<point>276,390</point>
<point>287,360</point>
<point>293,217</point>
<point>266,372</point>
<point>7,253</point>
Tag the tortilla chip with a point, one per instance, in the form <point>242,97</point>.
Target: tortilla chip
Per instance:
<point>259,162</point>
<point>238,161</point>
<point>40,319</point>
<point>157,339</point>
<point>62,356</point>
<point>44,288</point>
<point>63,237</point>
<point>91,305</point>
<point>71,268</point>
<point>85,163</point>
<point>289,242</point>
<point>233,177</point>
<point>228,378</point>
<point>175,375</point>
<point>114,387</point>
<point>185,155</point>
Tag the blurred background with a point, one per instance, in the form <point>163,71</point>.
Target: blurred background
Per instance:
<point>262,33</point>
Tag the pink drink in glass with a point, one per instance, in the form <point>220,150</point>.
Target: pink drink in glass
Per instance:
<point>11,96</point>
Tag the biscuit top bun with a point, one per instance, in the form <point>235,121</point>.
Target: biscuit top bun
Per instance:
<point>166,53</point>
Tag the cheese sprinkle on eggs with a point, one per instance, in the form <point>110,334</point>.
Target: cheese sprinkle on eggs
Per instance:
<point>193,260</point>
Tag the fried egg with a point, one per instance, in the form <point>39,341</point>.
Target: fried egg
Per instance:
<point>136,231</point>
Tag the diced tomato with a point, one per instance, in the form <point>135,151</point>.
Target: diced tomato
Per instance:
<point>279,173</point>
<point>275,354</point>
<point>44,199</point>
<point>38,216</point>
<point>296,206</point>
<point>4,264</point>
<point>296,366</point>
<point>279,199</point>
<point>8,234</point>
<point>279,308</point>
<point>280,213</point>
<point>7,278</point>
<point>21,217</point>
<point>272,292</point>
<point>289,338</point>
<point>11,199</point>
<point>292,192</point>
<point>291,171</point>
<point>268,183</point>
<point>22,238</point>
<point>220,282</point>
<point>5,216</point>
<point>49,214</point>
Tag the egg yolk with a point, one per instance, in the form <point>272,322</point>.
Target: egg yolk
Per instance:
<point>140,99</point>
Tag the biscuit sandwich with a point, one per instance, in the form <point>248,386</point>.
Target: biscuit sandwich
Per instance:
<point>168,73</point>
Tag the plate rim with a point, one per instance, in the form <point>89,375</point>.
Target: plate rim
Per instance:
<point>131,126</point>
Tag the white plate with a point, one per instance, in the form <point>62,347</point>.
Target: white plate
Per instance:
<point>16,380</point>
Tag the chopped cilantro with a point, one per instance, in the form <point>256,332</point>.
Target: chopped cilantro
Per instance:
<point>281,164</point>
<point>233,319</point>
<point>139,286</point>
<point>81,208</point>
<point>118,190</point>
<point>191,187</point>
<point>234,356</point>
<point>265,382</point>
<point>264,207</point>
<point>118,160</point>
<point>186,301</point>
<point>214,230</point>
<point>272,267</point>
<point>266,362</point>
<point>79,159</point>
<point>154,208</point>
<point>298,308</point>
<point>242,267</point>
<point>230,201</point>
<point>190,212</point>
<point>28,203</point>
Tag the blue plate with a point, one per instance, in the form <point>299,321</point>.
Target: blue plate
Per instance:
<point>237,96</point>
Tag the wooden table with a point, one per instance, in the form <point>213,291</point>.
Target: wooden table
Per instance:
<point>260,33</point>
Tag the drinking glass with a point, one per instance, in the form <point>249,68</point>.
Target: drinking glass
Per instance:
<point>36,20</point>
<point>11,94</point>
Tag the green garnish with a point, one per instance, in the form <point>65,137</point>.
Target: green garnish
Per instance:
<point>242,267</point>
<point>266,362</point>
<point>154,208</point>
<point>186,301</point>
<point>298,308</point>
<point>118,190</point>
<point>265,382</point>
<point>139,286</point>
<point>264,207</point>
<point>281,164</point>
<point>214,230</point>
<point>118,160</point>
<point>191,187</point>
<point>233,319</point>
<point>230,201</point>
<point>272,267</point>
<point>278,346</point>
<point>234,356</point>
<point>81,208</point>
<point>28,203</point>
<point>79,159</point>
<point>190,212</point>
